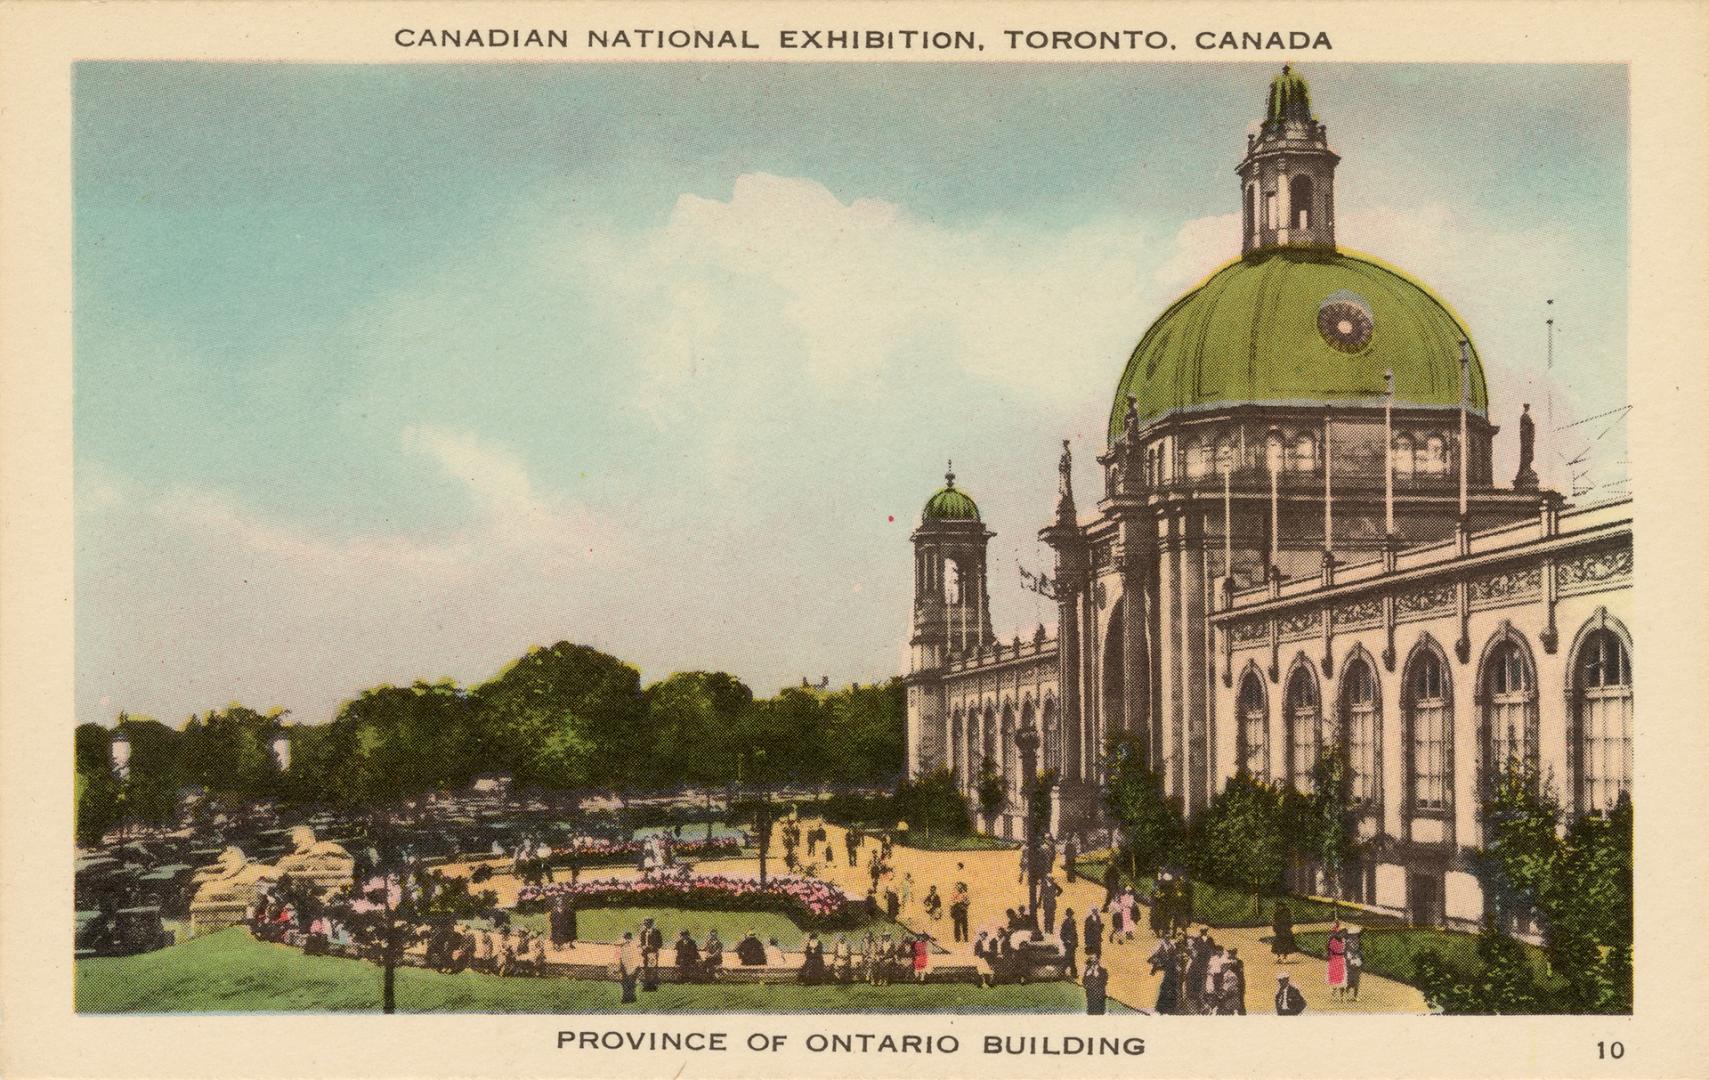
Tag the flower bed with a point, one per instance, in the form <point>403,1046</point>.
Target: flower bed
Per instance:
<point>808,901</point>
<point>594,851</point>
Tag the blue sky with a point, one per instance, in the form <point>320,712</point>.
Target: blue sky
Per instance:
<point>388,371</point>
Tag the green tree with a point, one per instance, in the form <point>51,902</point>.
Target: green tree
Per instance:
<point>99,795</point>
<point>1330,818</point>
<point>1578,882</point>
<point>935,804</point>
<point>1151,827</point>
<point>229,752</point>
<point>1501,983</point>
<point>1240,840</point>
<point>155,772</point>
<point>560,717</point>
<point>865,736</point>
<point>791,728</point>
<point>701,724</point>
<point>401,741</point>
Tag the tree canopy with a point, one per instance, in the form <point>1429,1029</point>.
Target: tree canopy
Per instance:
<point>565,717</point>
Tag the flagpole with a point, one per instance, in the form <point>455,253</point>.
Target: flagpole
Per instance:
<point>1228,521</point>
<point>1465,393</point>
<point>1275,513</point>
<point>1328,503</point>
<point>1388,453</point>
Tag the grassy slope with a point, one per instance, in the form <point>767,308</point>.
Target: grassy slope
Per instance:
<point>230,972</point>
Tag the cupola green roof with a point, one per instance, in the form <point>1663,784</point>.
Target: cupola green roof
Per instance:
<point>950,503</point>
<point>1299,327</point>
<point>1290,99</point>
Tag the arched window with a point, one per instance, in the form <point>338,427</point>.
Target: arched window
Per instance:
<point>1190,455</point>
<point>1404,456</point>
<point>1275,452</point>
<point>1361,730</point>
<point>1254,729</point>
<point>1052,737</point>
<point>1428,726</point>
<point>1225,452</point>
<point>1305,453</point>
<point>1011,772</point>
<point>1509,685</point>
<point>988,747</point>
<point>955,743</point>
<point>1304,717</point>
<point>1602,691</point>
<point>1435,461</point>
<point>1299,201</point>
<point>1251,207</point>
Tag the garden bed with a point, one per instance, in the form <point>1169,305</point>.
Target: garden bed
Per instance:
<point>808,902</point>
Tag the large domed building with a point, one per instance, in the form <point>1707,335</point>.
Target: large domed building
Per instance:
<point>1300,544</point>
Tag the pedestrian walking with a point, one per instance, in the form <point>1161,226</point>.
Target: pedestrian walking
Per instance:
<point>1093,938</point>
<point>1234,983</point>
<point>652,944</point>
<point>1096,983</point>
<point>1289,1000</point>
<point>1355,959</point>
<point>1070,935</point>
<point>1335,972</point>
<point>1282,941</point>
<point>1164,959</point>
<point>628,966</point>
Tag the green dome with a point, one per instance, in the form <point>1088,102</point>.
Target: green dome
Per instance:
<point>1297,327</point>
<point>950,503</point>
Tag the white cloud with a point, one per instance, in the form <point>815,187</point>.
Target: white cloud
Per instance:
<point>783,278</point>
<point>204,600</point>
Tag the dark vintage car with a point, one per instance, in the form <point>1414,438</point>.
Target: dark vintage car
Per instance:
<point>121,932</point>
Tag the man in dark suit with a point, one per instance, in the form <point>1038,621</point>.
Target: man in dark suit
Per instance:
<point>652,944</point>
<point>1070,934</point>
<point>1093,938</point>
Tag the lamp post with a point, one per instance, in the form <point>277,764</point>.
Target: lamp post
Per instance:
<point>1026,743</point>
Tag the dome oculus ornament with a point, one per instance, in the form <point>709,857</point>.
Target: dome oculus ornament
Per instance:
<point>1344,320</point>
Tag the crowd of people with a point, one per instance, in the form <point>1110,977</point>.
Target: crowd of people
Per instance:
<point>1199,975</point>
<point>876,959</point>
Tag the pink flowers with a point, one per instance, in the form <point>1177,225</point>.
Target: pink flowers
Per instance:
<point>818,899</point>
<point>589,847</point>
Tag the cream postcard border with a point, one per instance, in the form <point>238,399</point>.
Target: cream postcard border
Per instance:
<point>1666,48</point>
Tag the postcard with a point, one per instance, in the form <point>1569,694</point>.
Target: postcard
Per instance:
<point>870,540</point>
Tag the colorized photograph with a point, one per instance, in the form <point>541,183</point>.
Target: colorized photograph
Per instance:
<point>496,490</point>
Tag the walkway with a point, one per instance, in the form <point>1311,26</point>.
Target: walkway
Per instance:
<point>993,881</point>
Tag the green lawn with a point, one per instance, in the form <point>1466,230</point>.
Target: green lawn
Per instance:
<point>608,924</point>
<point>1216,905</point>
<point>230,972</point>
<point>1390,951</point>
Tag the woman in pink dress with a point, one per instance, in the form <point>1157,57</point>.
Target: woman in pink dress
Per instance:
<point>920,947</point>
<point>1337,949</point>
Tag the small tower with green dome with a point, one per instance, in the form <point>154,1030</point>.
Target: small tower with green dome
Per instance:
<point>952,610</point>
<point>1287,178</point>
